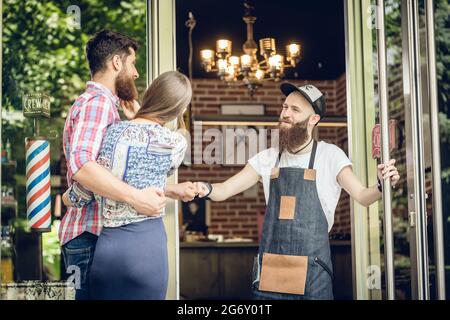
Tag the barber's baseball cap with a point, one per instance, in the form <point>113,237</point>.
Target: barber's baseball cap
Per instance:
<point>310,92</point>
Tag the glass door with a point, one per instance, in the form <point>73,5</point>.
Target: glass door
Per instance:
<point>393,49</point>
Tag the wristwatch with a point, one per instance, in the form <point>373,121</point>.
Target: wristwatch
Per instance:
<point>210,190</point>
<point>75,199</point>
<point>379,185</point>
<point>78,197</point>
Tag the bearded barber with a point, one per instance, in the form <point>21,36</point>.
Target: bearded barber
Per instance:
<point>302,181</point>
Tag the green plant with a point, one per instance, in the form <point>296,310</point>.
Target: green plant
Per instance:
<point>51,252</point>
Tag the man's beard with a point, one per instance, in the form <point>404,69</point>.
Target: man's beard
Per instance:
<point>292,138</point>
<point>125,87</point>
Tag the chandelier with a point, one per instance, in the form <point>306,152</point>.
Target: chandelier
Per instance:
<point>247,70</point>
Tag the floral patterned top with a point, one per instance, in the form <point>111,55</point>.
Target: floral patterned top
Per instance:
<point>142,155</point>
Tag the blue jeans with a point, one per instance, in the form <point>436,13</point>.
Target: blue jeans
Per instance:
<point>78,254</point>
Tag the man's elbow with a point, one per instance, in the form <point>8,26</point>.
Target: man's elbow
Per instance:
<point>362,200</point>
<point>365,204</point>
<point>78,160</point>
<point>81,171</point>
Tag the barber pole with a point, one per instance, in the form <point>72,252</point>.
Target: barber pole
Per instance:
<point>38,184</point>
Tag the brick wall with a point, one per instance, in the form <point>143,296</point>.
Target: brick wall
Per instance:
<point>238,216</point>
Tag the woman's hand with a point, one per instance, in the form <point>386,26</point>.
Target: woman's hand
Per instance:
<point>389,171</point>
<point>149,201</point>
<point>185,191</point>
<point>130,108</point>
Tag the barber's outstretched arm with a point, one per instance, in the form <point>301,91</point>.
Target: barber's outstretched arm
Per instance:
<point>366,195</point>
<point>148,201</point>
<point>238,183</point>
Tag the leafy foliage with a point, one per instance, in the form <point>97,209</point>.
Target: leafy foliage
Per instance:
<point>44,52</point>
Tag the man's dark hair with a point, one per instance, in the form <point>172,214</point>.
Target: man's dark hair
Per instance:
<point>104,45</point>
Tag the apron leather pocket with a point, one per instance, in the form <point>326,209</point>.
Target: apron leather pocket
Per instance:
<point>283,273</point>
<point>310,174</point>
<point>287,208</point>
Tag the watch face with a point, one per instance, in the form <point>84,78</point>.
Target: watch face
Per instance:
<point>72,197</point>
<point>77,201</point>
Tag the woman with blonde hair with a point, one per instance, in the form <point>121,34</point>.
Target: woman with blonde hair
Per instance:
<point>130,259</point>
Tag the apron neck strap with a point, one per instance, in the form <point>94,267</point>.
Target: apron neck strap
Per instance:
<point>313,155</point>
<point>278,160</point>
<point>311,159</point>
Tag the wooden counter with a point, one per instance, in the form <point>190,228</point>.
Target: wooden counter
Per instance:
<point>212,270</point>
<point>212,244</point>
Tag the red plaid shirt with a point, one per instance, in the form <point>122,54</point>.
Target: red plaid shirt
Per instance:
<point>85,126</point>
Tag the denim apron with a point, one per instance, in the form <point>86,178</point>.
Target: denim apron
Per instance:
<point>294,259</point>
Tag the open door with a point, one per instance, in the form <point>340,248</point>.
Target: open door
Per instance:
<point>398,244</point>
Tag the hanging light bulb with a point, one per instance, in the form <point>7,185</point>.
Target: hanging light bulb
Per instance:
<point>293,50</point>
<point>276,62</point>
<point>222,65</point>
<point>207,54</point>
<point>267,47</point>
<point>230,73</point>
<point>293,53</point>
<point>259,74</point>
<point>207,57</point>
<point>246,61</point>
<point>234,61</point>
<point>223,46</point>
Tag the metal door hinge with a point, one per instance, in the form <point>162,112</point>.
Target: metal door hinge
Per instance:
<point>412,218</point>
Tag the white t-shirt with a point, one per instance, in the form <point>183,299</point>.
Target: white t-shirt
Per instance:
<point>329,161</point>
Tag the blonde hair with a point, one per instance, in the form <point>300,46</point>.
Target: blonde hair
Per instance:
<point>166,98</point>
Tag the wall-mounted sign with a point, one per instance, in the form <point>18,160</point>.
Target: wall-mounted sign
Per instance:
<point>240,109</point>
<point>36,105</point>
